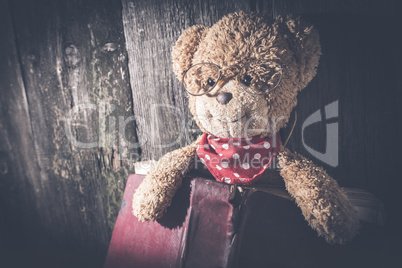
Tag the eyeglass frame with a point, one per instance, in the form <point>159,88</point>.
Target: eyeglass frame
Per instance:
<point>237,77</point>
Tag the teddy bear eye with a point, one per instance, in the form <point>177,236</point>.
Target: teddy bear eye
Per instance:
<point>211,82</point>
<point>246,80</point>
<point>201,78</point>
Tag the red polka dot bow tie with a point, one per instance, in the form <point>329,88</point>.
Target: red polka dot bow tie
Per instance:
<point>238,161</point>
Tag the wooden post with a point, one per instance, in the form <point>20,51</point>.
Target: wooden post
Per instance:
<point>65,81</point>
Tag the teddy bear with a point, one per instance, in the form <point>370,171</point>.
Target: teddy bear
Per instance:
<point>242,76</point>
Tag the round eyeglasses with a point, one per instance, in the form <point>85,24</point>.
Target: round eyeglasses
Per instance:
<point>255,77</point>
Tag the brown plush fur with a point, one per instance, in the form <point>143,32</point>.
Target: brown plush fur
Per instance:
<point>324,205</point>
<point>230,43</point>
<point>240,37</point>
<point>155,193</point>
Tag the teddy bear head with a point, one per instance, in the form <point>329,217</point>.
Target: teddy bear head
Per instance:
<point>244,72</point>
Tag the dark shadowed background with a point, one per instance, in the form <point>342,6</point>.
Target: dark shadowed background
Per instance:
<point>59,202</point>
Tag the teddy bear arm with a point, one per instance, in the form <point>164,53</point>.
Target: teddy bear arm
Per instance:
<point>323,203</point>
<point>155,193</point>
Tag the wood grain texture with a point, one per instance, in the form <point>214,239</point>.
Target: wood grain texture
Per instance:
<point>160,103</point>
<point>64,55</point>
<point>19,169</point>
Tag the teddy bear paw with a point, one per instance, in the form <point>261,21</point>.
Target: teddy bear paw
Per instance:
<point>338,228</point>
<point>149,203</point>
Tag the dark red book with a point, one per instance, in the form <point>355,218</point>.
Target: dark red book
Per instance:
<point>212,224</point>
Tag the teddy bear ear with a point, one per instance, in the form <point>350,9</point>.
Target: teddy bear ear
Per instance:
<point>303,39</point>
<point>186,46</point>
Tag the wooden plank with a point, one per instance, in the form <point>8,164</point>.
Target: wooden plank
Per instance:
<point>71,53</point>
<point>18,163</point>
<point>160,104</point>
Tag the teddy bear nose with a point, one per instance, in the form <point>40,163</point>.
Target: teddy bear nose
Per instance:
<point>224,97</point>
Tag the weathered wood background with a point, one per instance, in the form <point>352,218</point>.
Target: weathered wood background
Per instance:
<point>110,61</point>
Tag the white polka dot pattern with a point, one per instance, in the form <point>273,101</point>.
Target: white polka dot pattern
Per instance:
<point>267,145</point>
<point>224,164</point>
<point>227,180</point>
<point>237,161</point>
